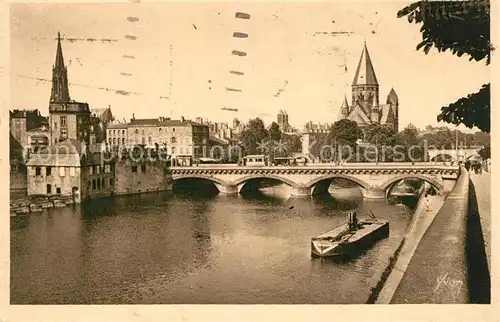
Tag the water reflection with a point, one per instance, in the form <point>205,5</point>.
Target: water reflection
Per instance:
<point>177,248</point>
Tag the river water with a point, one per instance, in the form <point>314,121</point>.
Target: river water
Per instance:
<point>165,248</point>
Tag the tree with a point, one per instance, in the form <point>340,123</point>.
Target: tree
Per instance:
<point>409,143</point>
<point>345,132</point>
<point>274,132</point>
<point>485,153</point>
<point>464,28</point>
<point>254,137</point>
<point>380,135</point>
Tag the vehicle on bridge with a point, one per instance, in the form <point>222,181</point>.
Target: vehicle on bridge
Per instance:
<point>257,160</point>
<point>350,238</point>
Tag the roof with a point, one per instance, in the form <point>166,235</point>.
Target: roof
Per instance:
<point>41,128</point>
<point>104,114</point>
<point>14,144</point>
<point>155,122</point>
<point>64,160</point>
<point>392,97</point>
<point>365,74</point>
<point>68,146</point>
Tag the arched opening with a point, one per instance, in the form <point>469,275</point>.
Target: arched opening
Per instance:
<point>265,187</point>
<point>338,187</point>
<point>195,187</point>
<point>407,190</point>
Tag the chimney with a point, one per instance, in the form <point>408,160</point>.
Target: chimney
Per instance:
<point>182,119</point>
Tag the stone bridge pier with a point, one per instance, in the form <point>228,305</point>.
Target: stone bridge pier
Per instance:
<point>374,180</point>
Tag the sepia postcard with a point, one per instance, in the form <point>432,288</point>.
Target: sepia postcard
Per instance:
<point>193,161</point>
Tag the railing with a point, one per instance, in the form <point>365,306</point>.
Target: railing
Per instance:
<point>399,166</point>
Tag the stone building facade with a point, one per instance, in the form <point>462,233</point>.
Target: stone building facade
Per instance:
<point>69,169</point>
<point>178,137</point>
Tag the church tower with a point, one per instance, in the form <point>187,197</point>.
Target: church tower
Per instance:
<point>365,88</point>
<point>344,109</point>
<point>393,102</point>
<point>68,119</point>
<point>60,91</point>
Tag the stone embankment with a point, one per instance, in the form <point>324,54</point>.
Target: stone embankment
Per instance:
<point>444,268</point>
<point>422,219</point>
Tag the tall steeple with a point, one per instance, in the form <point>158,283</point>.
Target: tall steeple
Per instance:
<point>365,85</point>
<point>344,109</point>
<point>60,91</point>
<point>365,74</point>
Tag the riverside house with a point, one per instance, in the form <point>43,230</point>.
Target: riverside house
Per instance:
<point>70,169</point>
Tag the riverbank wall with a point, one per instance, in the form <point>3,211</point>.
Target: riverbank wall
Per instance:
<point>134,177</point>
<point>439,270</point>
<point>423,216</point>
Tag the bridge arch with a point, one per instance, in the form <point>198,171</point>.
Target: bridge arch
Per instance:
<point>435,183</point>
<point>263,176</point>
<point>312,184</point>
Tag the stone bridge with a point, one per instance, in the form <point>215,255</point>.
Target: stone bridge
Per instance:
<point>375,180</point>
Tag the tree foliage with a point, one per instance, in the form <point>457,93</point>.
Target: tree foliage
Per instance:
<point>274,132</point>
<point>344,132</point>
<point>380,134</point>
<point>463,27</point>
<point>254,135</point>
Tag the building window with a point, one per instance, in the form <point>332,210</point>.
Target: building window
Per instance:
<point>91,170</point>
<point>97,169</point>
<point>49,189</point>
<point>173,139</point>
<point>150,141</point>
<point>64,134</point>
<point>103,184</point>
<point>123,141</point>
<point>143,140</point>
<point>48,171</point>
<point>136,131</point>
<point>159,130</point>
<point>72,171</point>
<point>143,168</point>
<point>93,184</point>
<point>114,141</point>
<point>38,171</point>
<point>173,150</point>
<point>62,171</point>
<point>106,168</point>
<point>58,191</point>
<point>98,184</point>
<point>123,132</point>
<point>109,141</point>
<point>111,182</point>
<point>63,120</point>
<point>134,168</point>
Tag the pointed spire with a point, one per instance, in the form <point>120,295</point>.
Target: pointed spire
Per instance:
<point>365,74</point>
<point>59,56</point>
<point>344,103</point>
<point>392,97</point>
<point>60,91</point>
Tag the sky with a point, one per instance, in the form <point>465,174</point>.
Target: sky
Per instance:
<point>297,54</point>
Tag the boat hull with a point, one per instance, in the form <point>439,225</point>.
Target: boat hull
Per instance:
<point>361,240</point>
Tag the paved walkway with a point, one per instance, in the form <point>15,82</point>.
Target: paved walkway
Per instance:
<point>482,185</point>
<point>421,221</point>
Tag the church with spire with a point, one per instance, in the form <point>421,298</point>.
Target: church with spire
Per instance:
<point>365,108</point>
<point>68,119</point>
